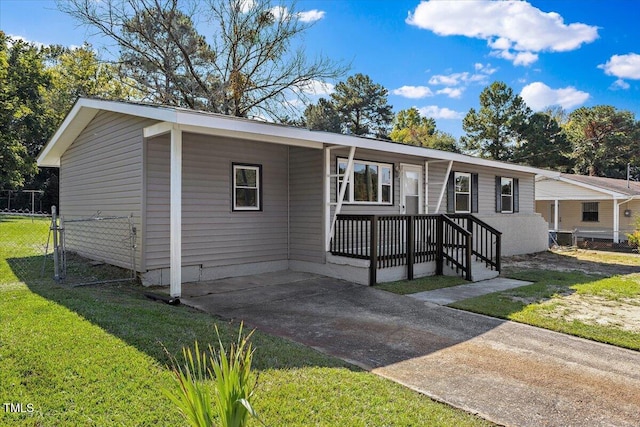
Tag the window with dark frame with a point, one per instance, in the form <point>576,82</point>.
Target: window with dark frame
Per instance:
<point>506,187</point>
<point>462,192</point>
<point>371,182</point>
<point>590,212</point>
<point>247,187</point>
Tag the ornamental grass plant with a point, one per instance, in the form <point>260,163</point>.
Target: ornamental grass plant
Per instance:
<point>233,383</point>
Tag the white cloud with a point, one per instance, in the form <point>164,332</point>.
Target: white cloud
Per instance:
<point>538,96</point>
<point>311,15</point>
<point>623,66</point>
<point>24,40</point>
<point>439,113</point>
<point>451,92</point>
<point>514,30</point>
<point>620,84</point>
<point>281,13</point>
<point>413,92</point>
<point>319,88</point>
<point>246,5</point>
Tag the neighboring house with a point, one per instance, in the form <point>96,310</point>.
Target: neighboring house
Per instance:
<point>216,196</point>
<point>589,207</point>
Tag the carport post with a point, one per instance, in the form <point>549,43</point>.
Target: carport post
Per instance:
<point>175,239</point>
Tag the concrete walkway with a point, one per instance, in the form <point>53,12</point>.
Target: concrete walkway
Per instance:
<point>509,373</point>
<point>446,296</point>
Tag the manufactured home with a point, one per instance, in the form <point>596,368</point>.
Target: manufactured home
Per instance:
<point>215,196</point>
<point>592,209</point>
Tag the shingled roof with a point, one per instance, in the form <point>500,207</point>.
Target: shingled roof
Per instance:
<point>629,188</point>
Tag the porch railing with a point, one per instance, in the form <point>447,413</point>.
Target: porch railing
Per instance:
<point>409,239</point>
<point>486,239</point>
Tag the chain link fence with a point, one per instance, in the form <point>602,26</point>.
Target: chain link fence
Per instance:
<point>97,249</point>
<point>25,248</point>
<point>73,251</point>
<point>593,239</point>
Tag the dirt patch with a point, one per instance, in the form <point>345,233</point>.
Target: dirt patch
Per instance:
<point>596,310</point>
<point>619,313</point>
<point>586,261</point>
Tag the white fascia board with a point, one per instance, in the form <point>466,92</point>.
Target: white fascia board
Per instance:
<point>81,114</point>
<point>573,198</point>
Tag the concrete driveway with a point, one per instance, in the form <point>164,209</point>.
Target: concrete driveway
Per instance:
<point>509,373</point>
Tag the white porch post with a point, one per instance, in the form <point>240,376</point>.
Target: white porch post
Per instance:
<point>444,186</point>
<point>330,223</point>
<point>616,221</point>
<point>426,187</point>
<point>175,239</point>
<point>555,215</point>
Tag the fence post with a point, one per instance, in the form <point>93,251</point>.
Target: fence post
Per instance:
<point>411,239</point>
<point>439,243</point>
<point>56,254</point>
<point>467,256</point>
<point>373,251</point>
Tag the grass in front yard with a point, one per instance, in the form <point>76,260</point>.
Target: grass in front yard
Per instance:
<point>428,283</point>
<point>93,356</point>
<point>605,309</point>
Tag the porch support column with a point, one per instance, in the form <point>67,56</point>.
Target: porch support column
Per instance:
<point>175,238</point>
<point>556,215</point>
<point>616,221</point>
<point>444,186</point>
<point>346,179</point>
<point>426,187</point>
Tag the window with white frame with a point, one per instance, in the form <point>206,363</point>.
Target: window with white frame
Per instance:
<point>506,194</point>
<point>370,182</point>
<point>462,192</point>
<point>247,187</point>
<point>590,212</point>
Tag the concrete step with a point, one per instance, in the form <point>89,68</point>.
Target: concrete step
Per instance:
<point>479,272</point>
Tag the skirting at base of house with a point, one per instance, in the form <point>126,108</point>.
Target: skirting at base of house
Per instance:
<point>196,273</point>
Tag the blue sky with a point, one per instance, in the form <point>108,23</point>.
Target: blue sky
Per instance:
<point>439,55</point>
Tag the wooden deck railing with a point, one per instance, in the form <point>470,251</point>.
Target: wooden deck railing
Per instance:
<point>486,239</point>
<point>409,239</point>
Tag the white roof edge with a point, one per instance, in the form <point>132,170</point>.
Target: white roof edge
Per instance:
<point>85,109</point>
<point>613,194</point>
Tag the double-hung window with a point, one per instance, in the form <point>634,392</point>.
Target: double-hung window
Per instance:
<point>247,187</point>
<point>590,212</point>
<point>506,194</point>
<point>462,192</point>
<point>370,182</point>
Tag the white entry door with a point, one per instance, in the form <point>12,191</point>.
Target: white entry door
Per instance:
<point>410,189</point>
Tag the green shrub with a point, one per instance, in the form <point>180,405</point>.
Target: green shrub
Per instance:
<point>233,384</point>
<point>634,237</point>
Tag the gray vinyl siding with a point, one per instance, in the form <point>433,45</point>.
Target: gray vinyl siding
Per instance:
<point>437,176</point>
<point>373,156</point>
<point>102,172</point>
<point>212,234</point>
<point>306,240</point>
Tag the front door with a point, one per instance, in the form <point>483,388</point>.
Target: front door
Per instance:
<point>410,189</point>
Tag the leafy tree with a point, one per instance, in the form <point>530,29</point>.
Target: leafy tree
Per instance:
<point>362,106</point>
<point>24,119</point>
<point>604,140</point>
<point>79,72</point>
<point>409,127</point>
<point>494,130</point>
<point>249,67</point>
<point>322,116</point>
<point>544,144</point>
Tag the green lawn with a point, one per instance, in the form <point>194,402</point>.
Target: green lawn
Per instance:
<point>586,305</point>
<point>94,356</point>
<point>428,283</point>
